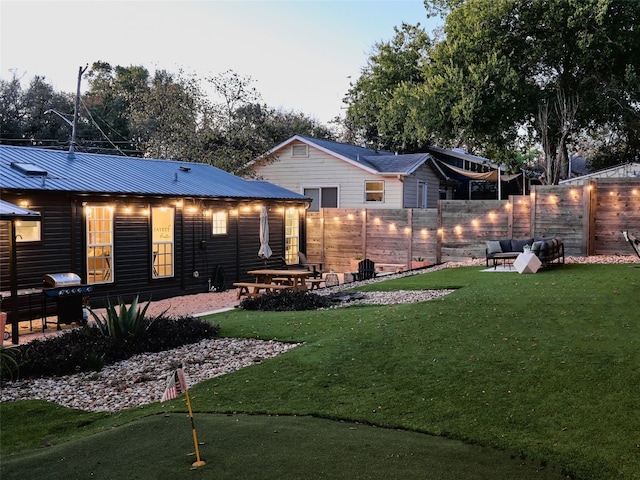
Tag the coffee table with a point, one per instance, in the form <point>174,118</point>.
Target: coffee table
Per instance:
<point>527,263</point>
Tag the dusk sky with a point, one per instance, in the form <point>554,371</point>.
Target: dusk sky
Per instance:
<point>299,53</point>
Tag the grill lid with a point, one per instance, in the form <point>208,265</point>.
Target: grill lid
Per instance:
<point>53,280</point>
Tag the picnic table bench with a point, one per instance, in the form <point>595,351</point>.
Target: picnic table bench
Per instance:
<point>253,289</point>
<point>395,267</point>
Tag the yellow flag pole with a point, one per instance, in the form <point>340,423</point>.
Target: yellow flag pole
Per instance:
<point>198,462</point>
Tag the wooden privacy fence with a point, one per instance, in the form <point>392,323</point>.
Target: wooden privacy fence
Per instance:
<point>588,218</point>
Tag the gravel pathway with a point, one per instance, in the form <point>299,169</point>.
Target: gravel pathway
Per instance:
<point>141,380</point>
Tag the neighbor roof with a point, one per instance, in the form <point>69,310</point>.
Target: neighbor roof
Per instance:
<point>28,168</point>
<point>374,161</point>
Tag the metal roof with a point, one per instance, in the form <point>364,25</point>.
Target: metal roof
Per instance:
<point>29,168</point>
<point>9,211</point>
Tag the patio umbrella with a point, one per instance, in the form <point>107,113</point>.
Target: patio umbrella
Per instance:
<point>265,251</point>
<point>11,212</point>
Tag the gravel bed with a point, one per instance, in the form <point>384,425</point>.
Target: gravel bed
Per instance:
<point>141,379</point>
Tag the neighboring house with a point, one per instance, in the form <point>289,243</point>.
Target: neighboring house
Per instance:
<point>625,170</point>
<point>128,226</point>
<point>477,176</point>
<point>347,176</point>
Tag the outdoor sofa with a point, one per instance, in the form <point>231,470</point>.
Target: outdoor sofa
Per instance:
<point>548,250</point>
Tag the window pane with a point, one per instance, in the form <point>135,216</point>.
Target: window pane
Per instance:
<point>374,191</point>
<point>219,222</point>
<point>99,221</point>
<point>292,235</point>
<point>27,231</point>
<point>162,234</point>
<point>314,195</point>
<point>330,197</point>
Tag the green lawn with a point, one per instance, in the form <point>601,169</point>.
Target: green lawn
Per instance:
<point>543,367</point>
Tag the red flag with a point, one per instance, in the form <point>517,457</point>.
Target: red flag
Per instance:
<point>176,384</point>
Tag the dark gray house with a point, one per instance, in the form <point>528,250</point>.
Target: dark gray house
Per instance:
<point>127,226</point>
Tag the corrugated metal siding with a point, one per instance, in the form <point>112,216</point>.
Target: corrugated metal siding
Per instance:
<point>63,246</point>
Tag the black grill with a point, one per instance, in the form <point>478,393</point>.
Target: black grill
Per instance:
<point>67,290</point>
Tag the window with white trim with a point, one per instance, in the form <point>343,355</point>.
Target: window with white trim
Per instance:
<point>219,223</point>
<point>322,197</point>
<point>99,223</point>
<point>28,231</point>
<point>291,235</point>
<point>162,241</point>
<point>374,191</point>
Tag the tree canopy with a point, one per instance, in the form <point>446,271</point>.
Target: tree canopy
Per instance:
<point>129,111</point>
<point>509,74</point>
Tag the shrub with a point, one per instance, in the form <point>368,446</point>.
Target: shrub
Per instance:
<point>8,363</point>
<point>288,300</point>
<point>125,322</point>
<point>88,349</point>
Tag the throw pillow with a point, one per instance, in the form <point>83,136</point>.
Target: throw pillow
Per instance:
<point>493,246</point>
<point>518,245</point>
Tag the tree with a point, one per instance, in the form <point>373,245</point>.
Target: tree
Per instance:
<point>109,106</point>
<point>570,63</point>
<point>378,99</point>
<point>507,75</point>
<point>164,116</point>
<point>239,129</point>
<point>22,114</point>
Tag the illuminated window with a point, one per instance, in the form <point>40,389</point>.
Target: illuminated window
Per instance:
<point>162,244</point>
<point>99,222</point>
<point>291,235</point>
<point>28,231</point>
<point>374,192</point>
<point>219,223</point>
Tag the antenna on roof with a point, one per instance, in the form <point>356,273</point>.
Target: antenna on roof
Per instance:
<point>75,114</point>
<point>73,124</point>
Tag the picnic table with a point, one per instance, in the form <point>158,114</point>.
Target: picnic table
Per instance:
<point>271,280</point>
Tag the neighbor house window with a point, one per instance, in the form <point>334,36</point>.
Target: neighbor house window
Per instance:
<point>291,235</point>
<point>219,223</point>
<point>322,197</point>
<point>300,151</point>
<point>99,221</point>
<point>422,195</point>
<point>374,191</point>
<point>162,244</point>
<point>28,231</point>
